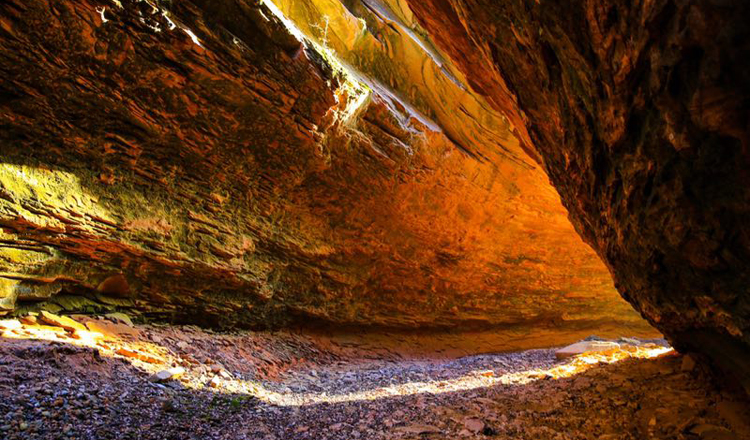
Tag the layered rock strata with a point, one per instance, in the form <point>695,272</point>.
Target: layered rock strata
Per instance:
<point>196,161</point>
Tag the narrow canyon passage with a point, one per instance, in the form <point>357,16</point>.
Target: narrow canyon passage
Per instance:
<point>293,385</point>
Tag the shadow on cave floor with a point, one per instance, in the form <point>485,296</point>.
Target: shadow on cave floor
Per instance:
<point>98,384</point>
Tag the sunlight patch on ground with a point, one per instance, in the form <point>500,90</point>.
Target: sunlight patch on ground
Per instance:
<point>147,356</point>
<point>151,358</point>
<point>470,381</point>
<point>585,361</point>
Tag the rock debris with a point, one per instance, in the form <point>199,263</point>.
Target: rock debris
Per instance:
<point>287,386</point>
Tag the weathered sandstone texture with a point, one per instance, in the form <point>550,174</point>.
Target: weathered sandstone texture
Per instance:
<point>194,161</point>
<point>639,114</point>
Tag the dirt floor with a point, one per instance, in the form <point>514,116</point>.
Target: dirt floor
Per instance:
<point>103,378</point>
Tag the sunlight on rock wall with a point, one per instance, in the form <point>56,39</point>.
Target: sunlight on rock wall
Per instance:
<point>263,172</point>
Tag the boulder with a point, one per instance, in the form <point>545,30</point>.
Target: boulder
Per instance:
<point>30,319</point>
<point>111,329</point>
<point>585,347</point>
<point>61,321</point>
<point>118,317</point>
<point>474,424</point>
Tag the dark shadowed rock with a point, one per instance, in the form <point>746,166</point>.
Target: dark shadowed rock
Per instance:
<point>639,114</point>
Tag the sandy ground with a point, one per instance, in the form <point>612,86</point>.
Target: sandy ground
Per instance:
<point>107,379</point>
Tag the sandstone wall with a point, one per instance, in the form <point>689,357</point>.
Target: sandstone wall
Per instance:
<point>194,161</point>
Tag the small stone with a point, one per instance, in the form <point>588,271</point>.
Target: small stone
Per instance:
<point>28,319</point>
<point>170,374</point>
<point>122,351</point>
<point>23,426</point>
<point>215,382</point>
<point>168,406</point>
<point>145,357</point>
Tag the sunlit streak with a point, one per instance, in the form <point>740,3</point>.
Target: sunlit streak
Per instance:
<point>153,357</point>
<point>354,92</point>
<point>470,381</point>
<point>192,36</point>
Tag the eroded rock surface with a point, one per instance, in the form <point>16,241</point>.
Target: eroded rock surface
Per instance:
<point>199,163</point>
<point>639,114</point>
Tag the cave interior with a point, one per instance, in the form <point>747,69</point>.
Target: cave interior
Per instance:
<point>374,219</point>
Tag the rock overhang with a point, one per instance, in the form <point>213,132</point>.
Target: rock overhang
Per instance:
<point>208,170</point>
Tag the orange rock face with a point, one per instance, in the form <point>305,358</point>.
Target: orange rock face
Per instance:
<point>201,164</point>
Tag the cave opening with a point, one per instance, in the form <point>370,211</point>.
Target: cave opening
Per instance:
<point>374,219</point>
